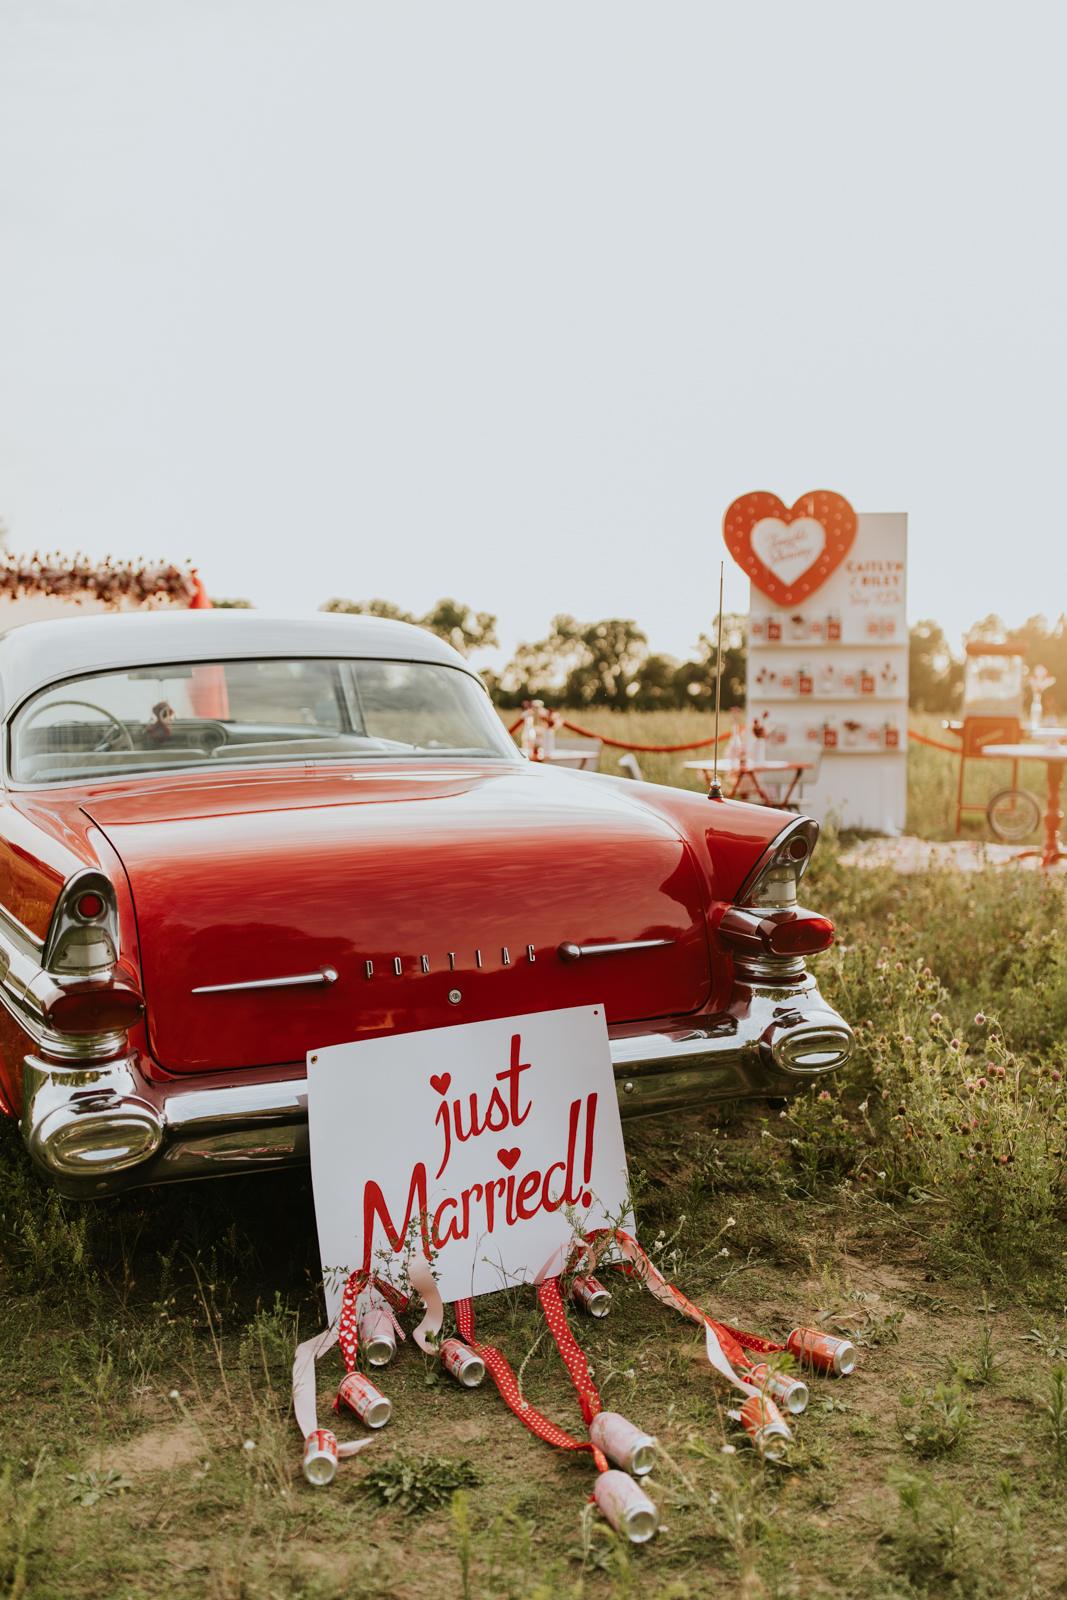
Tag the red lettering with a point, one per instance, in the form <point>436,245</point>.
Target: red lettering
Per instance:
<point>374,1204</point>
<point>572,1140</point>
<point>496,1127</point>
<point>590,1119</point>
<point>439,1243</point>
<point>466,1197</point>
<point>474,1128</point>
<point>492,1189</point>
<point>529,1186</point>
<point>442,1111</point>
<point>513,1073</point>
<point>510,1211</point>
<point>551,1205</point>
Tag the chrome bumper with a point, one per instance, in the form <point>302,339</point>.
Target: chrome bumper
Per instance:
<point>98,1128</point>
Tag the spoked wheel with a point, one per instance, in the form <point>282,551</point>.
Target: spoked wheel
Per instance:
<point>1013,814</point>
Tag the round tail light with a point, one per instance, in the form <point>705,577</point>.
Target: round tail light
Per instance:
<point>89,906</point>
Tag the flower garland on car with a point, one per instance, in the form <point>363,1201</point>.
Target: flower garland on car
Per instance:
<point>111,582</point>
<point>621,1453</point>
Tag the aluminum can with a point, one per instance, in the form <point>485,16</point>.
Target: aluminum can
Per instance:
<point>361,1396</point>
<point>785,1391</point>
<point>592,1296</point>
<point>626,1506</point>
<point>623,1443</point>
<point>462,1363</point>
<point>320,1457</point>
<point>377,1336</point>
<point>822,1352</point>
<point>766,1426</point>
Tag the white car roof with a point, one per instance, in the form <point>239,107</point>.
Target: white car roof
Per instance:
<point>40,653</point>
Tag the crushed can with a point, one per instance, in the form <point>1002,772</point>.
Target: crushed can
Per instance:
<point>766,1426</point>
<point>361,1396</point>
<point>624,1443</point>
<point>791,1393</point>
<point>591,1295</point>
<point>626,1506</point>
<point>460,1361</point>
<point>822,1351</point>
<point>320,1457</point>
<point>377,1336</point>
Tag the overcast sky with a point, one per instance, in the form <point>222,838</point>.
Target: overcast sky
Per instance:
<point>507,301</point>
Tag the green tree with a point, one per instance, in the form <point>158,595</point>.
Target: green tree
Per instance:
<point>580,664</point>
<point>464,629</point>
<point>695,680</point>
<point>935,679</point>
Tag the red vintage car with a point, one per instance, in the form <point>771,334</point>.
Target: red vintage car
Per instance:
<point>228,839</point>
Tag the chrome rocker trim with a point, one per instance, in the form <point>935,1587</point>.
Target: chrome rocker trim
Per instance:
<point>98,1127</point>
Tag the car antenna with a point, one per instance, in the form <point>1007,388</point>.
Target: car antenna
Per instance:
<point>715,792</point>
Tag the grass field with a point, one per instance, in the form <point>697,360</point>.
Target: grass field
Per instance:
<point>145,1439</point>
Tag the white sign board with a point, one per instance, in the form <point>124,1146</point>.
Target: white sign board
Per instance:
<point>478,1139</point>
<point>828,677</point>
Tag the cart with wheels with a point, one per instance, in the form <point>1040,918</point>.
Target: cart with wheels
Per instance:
<point>992,715</point>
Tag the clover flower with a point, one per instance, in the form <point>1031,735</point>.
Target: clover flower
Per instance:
<point>935,1016</point>
<point>983,1083</point>
<point>980,1020</point>
<point>927,973</point>
<point>954,1044</point>
<point>825,1094</point>
<point>908,1039</point>
<point>1056,1075</point>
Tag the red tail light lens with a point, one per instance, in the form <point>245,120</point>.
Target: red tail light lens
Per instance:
<point>89,906</point>
<point>95,1008</point>
<point>802,937</point>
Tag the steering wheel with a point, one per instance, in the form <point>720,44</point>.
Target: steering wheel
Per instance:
<point>107,742</point>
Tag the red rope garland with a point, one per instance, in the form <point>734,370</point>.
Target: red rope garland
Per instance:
<point>702,744</point>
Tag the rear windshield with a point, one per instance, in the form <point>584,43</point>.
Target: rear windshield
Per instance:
<point>253,712</point>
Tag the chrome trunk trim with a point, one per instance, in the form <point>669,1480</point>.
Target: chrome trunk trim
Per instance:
<point>325,975</point>
<point>99,1127</point>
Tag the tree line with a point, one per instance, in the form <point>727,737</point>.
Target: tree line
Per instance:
<point>609,663</point>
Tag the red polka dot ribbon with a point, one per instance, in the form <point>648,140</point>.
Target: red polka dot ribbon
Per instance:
<point>348,1324</point>
<point>636,1264</point>
<point>502,1375</point>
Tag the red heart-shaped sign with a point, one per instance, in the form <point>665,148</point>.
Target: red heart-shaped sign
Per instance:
<point>789,552</point>
<point>508,1158</point>
<point>441,1084</point>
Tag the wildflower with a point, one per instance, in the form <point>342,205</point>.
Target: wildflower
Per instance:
<point>970,1086</point>
<point>927,973</point>
<point>731,1222</point>
<point>908,1039</point>
<point>724,1251</point>
<point>877,1070</point>
<point>863,1109</point>
<point>825,1094</point>
<point>250,1444</point>
<point>174,1394</point>
<point>997,1071</point>
<point>983,1083</point>
<point>936,1017</point>
<point>795,1142</point>
<point>954,1044</point>
<point>1003,1161</point>
<point>881,1174</point>
<point>729,1449</point>
<point>885,1094</point>
<point>782,1115</point>
<point>764,1133</point>
<point>868,1023</point>
<point>899,967</point>
<point>1056,1076</point>
<point>980,1020</point>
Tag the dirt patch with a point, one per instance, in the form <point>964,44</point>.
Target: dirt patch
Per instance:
<point>159,1451</point>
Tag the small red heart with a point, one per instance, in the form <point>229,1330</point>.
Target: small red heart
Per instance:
<point>441,1084</point>
<point>508,1157</point>
<point>826,515</point>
